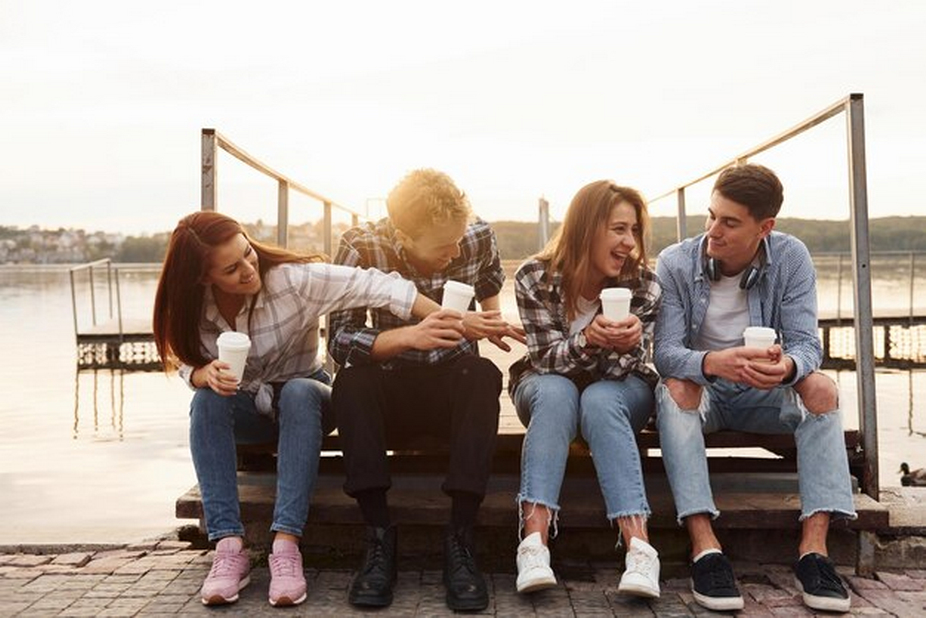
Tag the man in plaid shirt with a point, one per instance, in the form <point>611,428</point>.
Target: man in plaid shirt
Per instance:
<point>401,378</point>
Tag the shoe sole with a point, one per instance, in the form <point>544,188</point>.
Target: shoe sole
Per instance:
<point>638,591</point>
<point>536,585</point>
<point>218,599</point>
<point>826,604</point>
<point>718,604</point>
<point>287,602</point>
<point>470,606</point>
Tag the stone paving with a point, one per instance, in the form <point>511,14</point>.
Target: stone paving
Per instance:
<point>163,577</point>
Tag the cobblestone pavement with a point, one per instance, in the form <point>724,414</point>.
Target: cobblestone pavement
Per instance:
<point>162,578</point>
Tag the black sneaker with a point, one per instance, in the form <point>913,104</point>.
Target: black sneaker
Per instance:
<point>821,586</point>
<point>373,584</point>
<point>713,584</point>
<point>466,588</point>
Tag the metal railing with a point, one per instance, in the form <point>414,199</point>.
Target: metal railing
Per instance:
<point>213,141</point>
<point>853,108</point>
<point>90,267</point>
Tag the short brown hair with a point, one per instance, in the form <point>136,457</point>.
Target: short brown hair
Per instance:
<point>754,186</point>
<point>425,197</point>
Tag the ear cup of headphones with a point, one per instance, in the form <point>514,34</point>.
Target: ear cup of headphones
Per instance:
<point>749,278</point>
<point>712,269</point>
<point>747,281</point>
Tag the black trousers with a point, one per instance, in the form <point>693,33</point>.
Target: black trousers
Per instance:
<point>456,402</point>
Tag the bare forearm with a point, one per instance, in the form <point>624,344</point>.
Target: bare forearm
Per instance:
<point>390,343</point>
<point>423,306</point>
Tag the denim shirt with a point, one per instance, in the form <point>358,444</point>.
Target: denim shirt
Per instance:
<point>784,298</point>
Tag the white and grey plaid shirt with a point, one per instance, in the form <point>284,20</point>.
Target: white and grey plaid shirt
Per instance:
<point>283,322</point>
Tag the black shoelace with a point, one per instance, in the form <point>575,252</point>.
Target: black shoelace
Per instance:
<point>460,555</point>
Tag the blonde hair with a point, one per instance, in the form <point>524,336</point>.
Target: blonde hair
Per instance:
<point>425,197</point>
<point>568,252</point>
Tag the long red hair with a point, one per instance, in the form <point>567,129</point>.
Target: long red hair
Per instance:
<point>178,302</point>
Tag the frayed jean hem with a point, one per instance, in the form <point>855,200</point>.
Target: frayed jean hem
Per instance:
<point>552,520</point>
<point>645,514</point>
<point>714,513</point>
<point>835,515</point>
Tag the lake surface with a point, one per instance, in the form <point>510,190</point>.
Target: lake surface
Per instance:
<point>102,456</point>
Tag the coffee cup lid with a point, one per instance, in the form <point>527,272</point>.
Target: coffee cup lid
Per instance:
<point>615,293</point>
<point>233,338</point>
<point>459,287</point>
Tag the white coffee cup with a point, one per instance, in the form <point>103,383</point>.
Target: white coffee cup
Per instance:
<point>233,349</point>
<point>759,337</point>
<point>615,303</point>
<point>457,296</point>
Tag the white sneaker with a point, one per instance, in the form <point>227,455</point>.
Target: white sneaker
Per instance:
<point>641,577</point>
<point>534,572</point>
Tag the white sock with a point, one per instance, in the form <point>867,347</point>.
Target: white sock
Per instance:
<point>712,550</point>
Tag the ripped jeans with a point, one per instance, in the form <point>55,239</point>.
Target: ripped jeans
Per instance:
<point>609,413</point>
<point>822,465</point>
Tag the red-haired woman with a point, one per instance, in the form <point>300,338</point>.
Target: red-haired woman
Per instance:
<point>216,279</point>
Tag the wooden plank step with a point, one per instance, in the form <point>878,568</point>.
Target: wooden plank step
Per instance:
<point>753,503</point>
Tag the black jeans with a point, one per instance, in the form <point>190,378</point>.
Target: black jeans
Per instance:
<point>455,401</point>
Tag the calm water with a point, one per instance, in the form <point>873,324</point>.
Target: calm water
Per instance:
<point>101,456</point>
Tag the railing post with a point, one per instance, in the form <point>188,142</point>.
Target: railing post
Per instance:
<point>543,223</point>
<point>283,213</point>
<point>327,224</point>
<point>861,265</point>
<point>681,223</point>
<point>912,279</point>
<point>208,178</point>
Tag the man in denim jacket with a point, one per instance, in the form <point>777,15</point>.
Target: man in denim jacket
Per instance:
<point>741,273</point>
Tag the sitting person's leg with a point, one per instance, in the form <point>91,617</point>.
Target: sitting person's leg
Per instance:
<point>473,385</point>
<point>304,418</point>
<point>358,402</point>
<point>548,406</point>
<point>826,489</point>
<point>215,423</point>
<point>679,408</point>
<point>611,413</point>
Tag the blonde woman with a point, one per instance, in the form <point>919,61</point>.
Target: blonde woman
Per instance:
<point>586,373</point>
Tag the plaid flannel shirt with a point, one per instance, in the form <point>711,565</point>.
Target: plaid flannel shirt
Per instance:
<point>375,245</point>
<point>550,347</point>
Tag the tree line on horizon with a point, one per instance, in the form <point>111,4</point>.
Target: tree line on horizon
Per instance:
<point>518,240</point>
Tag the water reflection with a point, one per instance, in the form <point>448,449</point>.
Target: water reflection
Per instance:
<point>115,430</point>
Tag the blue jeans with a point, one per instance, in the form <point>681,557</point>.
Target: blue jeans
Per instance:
<point>608,413</point>
<point>217,423</point>
<point>822,464</point>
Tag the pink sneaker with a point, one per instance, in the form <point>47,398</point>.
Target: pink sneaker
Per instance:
<point>287,579</point>
<point>229,573</point>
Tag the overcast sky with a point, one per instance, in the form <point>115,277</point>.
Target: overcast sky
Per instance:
<point>102,102</point>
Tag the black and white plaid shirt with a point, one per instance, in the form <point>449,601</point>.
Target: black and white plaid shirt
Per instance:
<point>552,349</point>
<point>375,245</point>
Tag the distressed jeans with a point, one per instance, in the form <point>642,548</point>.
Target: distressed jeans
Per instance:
<point>822,464</point>
<point>217,423</point>
<point>609,413</point>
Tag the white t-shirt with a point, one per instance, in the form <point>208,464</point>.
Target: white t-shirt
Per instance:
<point>585,313</point>
<point>727,316</point>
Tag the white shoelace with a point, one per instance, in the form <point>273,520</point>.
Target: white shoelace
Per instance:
<point>533,557</point>
<point>640,562</point>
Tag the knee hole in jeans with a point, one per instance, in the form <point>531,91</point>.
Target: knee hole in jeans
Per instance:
<point>818,393</point>
<point>685,394</point>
